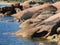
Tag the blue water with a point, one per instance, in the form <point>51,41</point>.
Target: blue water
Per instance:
<point>1,5</point>
<point>6,38</point>
<point>6,28</point>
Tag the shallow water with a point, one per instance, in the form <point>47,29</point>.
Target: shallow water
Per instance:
<point>6,38</point>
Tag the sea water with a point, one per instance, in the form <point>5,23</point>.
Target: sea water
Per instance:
<point>6,38</point>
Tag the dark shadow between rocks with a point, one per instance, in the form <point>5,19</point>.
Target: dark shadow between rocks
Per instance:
<point>41,34</point>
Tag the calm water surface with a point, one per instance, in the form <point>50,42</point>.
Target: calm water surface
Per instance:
<point>6,38</point>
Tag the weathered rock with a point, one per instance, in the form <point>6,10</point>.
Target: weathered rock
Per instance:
<point>59,39</point>
<point>57,5</point>
<point>40,26</point>
<point>51,20</point>
<point>27,23</point>
<point>34,21</point>
<point>26,5</point>
<point>26,33</point>
<point>53,38</point>
<point>1,14</point>
<point>58,30</point>
<point>47,43</point>
<point>10,9</point>
<point>28,13</point>
<point>43,32</point>
<point>50,26</point>
<point>54,9</point>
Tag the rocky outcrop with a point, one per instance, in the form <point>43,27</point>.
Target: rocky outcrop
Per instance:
<point>28,13</point>
<point>44,29</point>
<point>42,21</point>
<point>11,9</point>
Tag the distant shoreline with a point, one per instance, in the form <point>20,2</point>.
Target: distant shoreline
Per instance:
<point>5,2</point>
